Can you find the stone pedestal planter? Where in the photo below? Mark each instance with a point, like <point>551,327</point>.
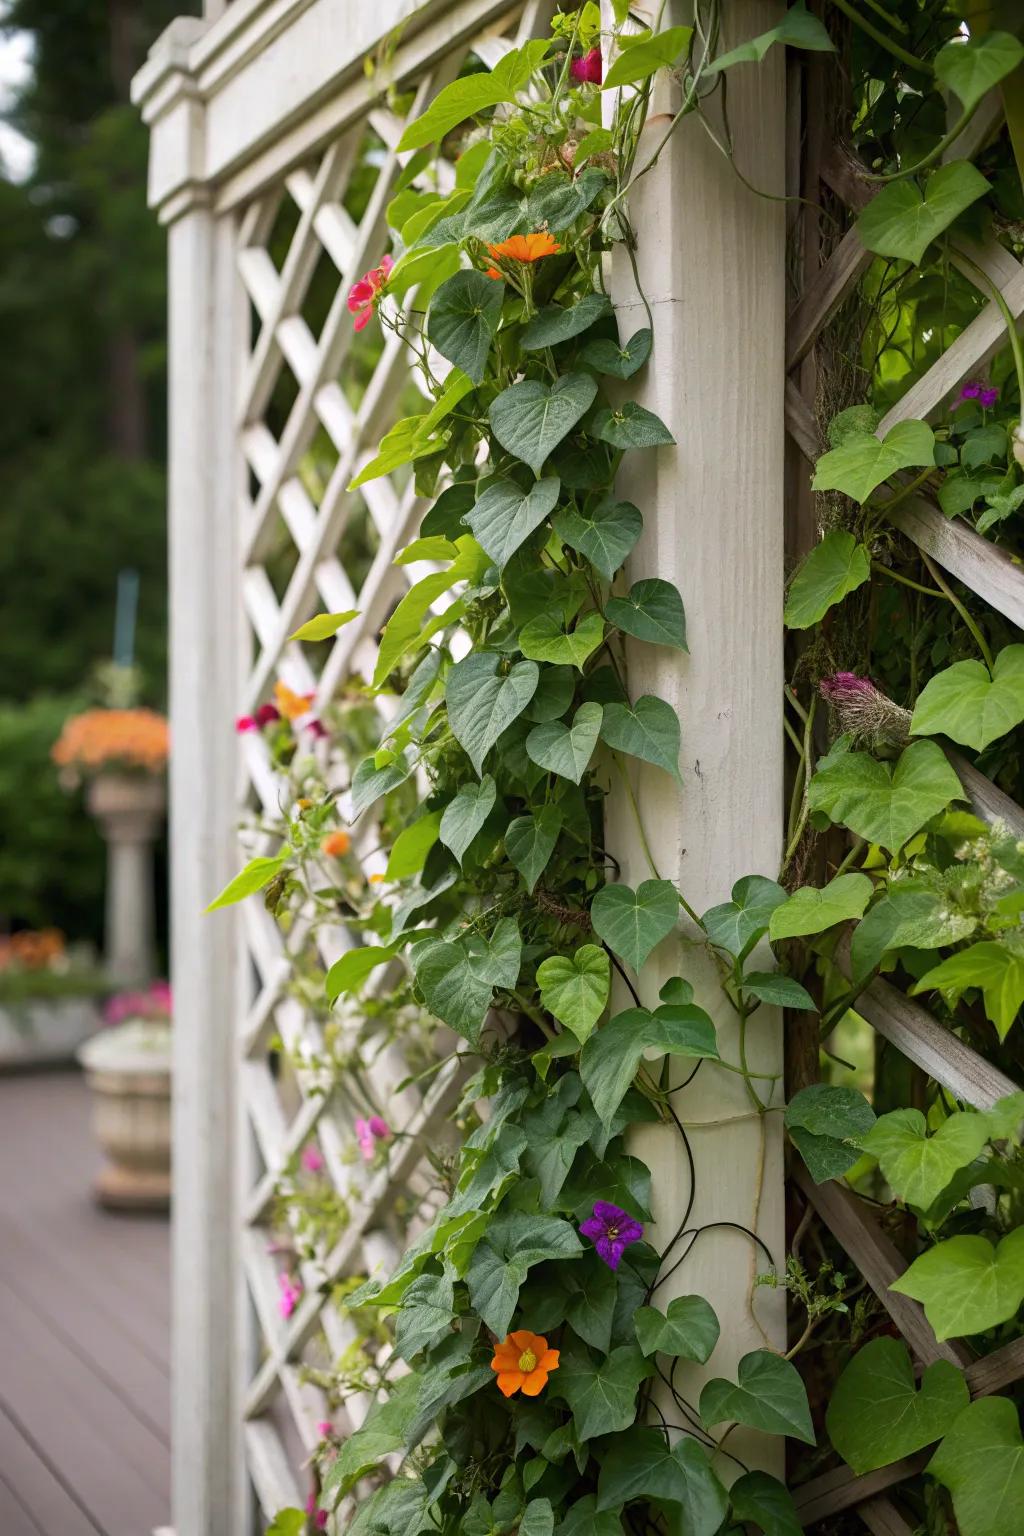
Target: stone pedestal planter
<point>43,1033</point>
<point>128,1069</point>
<point>129,809</point>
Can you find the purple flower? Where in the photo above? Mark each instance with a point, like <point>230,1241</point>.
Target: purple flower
<point>988,397</point>
<point>985,394</point>
<point>846,687</point>
<point>587,69</point>
<point>970,391</point>
<point>612,1230</point>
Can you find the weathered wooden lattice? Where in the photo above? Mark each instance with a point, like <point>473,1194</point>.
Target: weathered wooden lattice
<point>988,572</point>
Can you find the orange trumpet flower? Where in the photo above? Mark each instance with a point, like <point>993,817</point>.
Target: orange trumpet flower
<point>523,1363</point>
<point>524,248</point>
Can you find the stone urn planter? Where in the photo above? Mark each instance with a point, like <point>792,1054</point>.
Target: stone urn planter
<point>129,809</point>
<point>128,1068</point>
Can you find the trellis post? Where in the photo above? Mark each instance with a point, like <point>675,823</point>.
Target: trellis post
<point>209,1496</point>
<point>711,262</point>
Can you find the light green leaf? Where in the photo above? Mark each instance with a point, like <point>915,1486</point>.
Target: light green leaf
<point>289,1522</point>
<point>601,1393</point>
<point>797,29</point>
<point>403,629</point>
<point>966,704</point>
<point>426,1314</point>
<point>604,534</point>
<point>424,270</point>
<point>630,426</point>
<point>641,1465</point>
<point>966,1285</point>
<point>574,988</point>
<point>688,1330</point>
<point>257,873</point>
<point>1006,1118</point>
<point>370,781</point>
<point>632,922</point>
<point>769,1395</point>
<point>902,221</point>
<point>863,462</point>
<point>990,965</point>
<point>917,1166</point>
<point>826,1123</point>
<point>777,991</point>
<point>881,802</point>
<point>475,93</point>
<point>434,547</point>
<point>505,515</point>
<point>465,815</point>
<point>531,418</point>
<point>324,625</point>
<point>482,703</point>
<point>971,66</point>
<point>648,729</point>
<point>457,977</point>
<point>620,361</point>
<point>912,914</point>
<point>348,974</point>
<point>762,1500</point>
<point>652,611</point>
<point>463,320</point>
<point>530,842</point>
<point>557,323</point>
<point>878,1415</point>
<point>411,846</point>
<point>834,568</point>
<point>646,55</point>
<point>609,1061</point>
<point>545,639</point>
<point>566,750</point>
<point>810,910</point>
<point>737,925</point>
<point>981,1462</point>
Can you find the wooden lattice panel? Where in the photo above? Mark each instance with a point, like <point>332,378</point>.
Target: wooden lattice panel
<point>316,397</point>
<point>992,576</point>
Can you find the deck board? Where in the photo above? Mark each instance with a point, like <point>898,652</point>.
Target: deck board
<point>84,1325</point>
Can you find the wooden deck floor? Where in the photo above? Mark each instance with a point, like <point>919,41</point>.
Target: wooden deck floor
<point>84,1323</point>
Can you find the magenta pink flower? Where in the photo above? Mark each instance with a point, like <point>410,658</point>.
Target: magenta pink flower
<point>846,687</point>
<point>363,296</point>
<point>291,1292</point>
<point>312,1159</point>
<point>316,729</point>
<point>245,723</point>
<point>588,68</point>
<point>369,1132</point>
<point>318,1516</point>
<point>325,1428</point>
<point>266,714</point>
<point>612,1230</point>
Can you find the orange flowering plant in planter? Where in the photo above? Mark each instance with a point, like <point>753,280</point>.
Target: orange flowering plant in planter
<point>99,741</point>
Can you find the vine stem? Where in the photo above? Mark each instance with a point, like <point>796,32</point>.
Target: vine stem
<point>883,570</point>
<point>1012,334</point>
<point>905,57</point>
<point>979,638</point>
<point>644,844</point>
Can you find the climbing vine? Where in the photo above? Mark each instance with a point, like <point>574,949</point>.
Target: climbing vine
<point>533,1359</point>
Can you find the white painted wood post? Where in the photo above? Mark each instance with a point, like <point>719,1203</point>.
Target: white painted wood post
<point>711,262</point>
<point>208,1489</point>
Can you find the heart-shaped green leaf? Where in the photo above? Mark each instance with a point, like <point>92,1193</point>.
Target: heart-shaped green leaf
<point>506,515</point>
<point>639,1464</point>
<point>630,426</point>
<point>860,464</point>
<point>531,418</point>
<point>917,1166</point>
<point>797,29</point>
<point>458,977</point>
<point>981,1462</point>
<point>482,703</point>
<point>912,913</point>
<point>604,534</point>
<point>769,1395</point>
<point>574,988</point>
<point>648,729</point>
<point>601,1392</point>
<point>554,694</point>
<point>877,1413</point>
<point>463,320</point>
<point>610,1058</point>
<point>826,1123</point>
<point>370,782</point>
<point>632,922</point>
<point>530,842</point>
<point>464,98</point>
<point>763,1501</point>
<point>545,639</point>
<point>736,925</point>
<point>967,1285</point>
<point>557,323</point>
<point>466,813</point>
<point>810,910</point>
<point>881,802</point>
<point>835,567</point>
<point>688,1330</point>
<point>566,750</point>
<point>652,611</point>
<point>994,967</point>
<point>967,704</point>
<point>425,1315</point>
<point>621,362</point>
<point>777,990</point>
<point>973,65</point>
<point>902,220</point>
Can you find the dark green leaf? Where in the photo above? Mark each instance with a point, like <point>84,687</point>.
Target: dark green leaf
<point>877,1413</point>
<point>604,535</point>
<point>556,324</point>
<point>632,922</point>
<point>648,729</point>
<point>506,515</point>
<point>531,418</point>
<point>566,750</point>
<point>630,426</point>
<point>482,703</point>
<point>653,611</point>
<point>621,362</point>
<point>465,815</point>
<point>769,1396</point>
<point>463,320</point>
<point>688,1330</point>
<point>530,842</point>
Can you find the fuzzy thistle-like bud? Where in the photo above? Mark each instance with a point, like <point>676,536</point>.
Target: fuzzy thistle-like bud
<point>865,711</point>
